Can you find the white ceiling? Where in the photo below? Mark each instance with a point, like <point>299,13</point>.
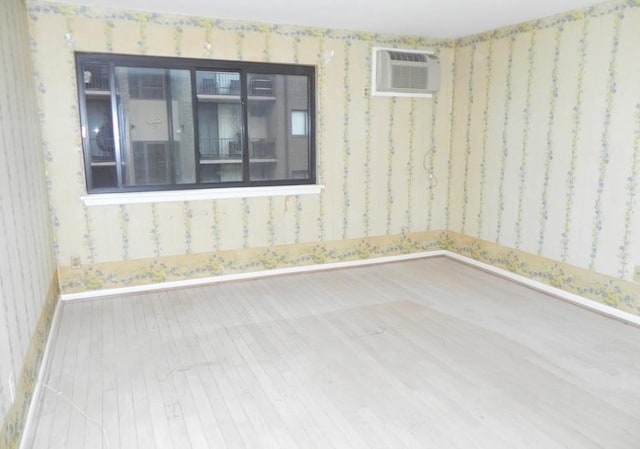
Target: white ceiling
<point>430,18</point>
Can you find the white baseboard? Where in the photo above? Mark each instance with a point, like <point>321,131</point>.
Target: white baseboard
<point>548,289</point>
<point>537,285</point>
<point>250,275</point>
<point>37,391</point>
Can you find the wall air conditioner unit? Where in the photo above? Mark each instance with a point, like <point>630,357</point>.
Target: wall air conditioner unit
<point>405,73</point>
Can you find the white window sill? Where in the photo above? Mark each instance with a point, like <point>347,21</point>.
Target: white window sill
<point>109,199</point>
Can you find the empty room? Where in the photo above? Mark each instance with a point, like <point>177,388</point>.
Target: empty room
<point>319,224</point>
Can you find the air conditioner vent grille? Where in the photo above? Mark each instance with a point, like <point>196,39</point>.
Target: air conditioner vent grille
<point>409,78</point>
<point>407,57</point>
<point>408,73</point>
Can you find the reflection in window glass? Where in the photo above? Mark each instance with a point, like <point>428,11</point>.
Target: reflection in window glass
<point>299,123</point>
<point>219,126</point>
<point>272,99</point>
<point>156,125</point>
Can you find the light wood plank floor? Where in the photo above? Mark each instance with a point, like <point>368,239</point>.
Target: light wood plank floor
<point>421,354</point>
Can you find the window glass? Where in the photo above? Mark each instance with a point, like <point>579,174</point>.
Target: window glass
<point>273,153</point>
<point>98,127</point>
<point>155,125</point>
<point>219,126</point>
<point>299,123</point>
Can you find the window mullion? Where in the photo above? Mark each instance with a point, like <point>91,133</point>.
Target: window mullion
<point>196,130</point>
<point>245,127</point>
<point>115,119</point>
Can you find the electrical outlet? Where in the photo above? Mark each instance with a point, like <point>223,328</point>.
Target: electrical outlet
<point>636,273</point>
<point>365,91</point>
<point>75,262</point>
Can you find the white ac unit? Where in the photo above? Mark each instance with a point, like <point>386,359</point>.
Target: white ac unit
<point>408,73</point>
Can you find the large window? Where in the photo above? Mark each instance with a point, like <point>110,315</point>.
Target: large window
<point>167,123</point>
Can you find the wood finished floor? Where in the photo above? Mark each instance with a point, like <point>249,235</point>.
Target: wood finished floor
<point>421,354</point>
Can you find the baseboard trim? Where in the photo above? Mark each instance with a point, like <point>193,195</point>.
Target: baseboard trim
<point>578,300</point>
<point>242,276</point>
<point>37,391</point>
<point>564,295</point>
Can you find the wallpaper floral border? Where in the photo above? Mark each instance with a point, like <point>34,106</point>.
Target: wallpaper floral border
<point>194,266</point>
<point>545,139</point>
<point>621,294</point>
<point>618,293</point>
<point>11,432</point>
<point>599,10</point>
<point>45,7</point>
<point>614,292</point>
<point>347,162</point>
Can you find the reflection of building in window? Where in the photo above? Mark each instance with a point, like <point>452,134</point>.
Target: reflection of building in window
<point>182,123</point>
<point>299,123</point>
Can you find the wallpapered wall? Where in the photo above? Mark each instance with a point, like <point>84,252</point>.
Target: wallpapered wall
<point>546,138</point>
<point>27,264</point>
<point>370,150</point>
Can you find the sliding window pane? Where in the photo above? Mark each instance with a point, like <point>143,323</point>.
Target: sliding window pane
<point>219,126</point>
<point>155,117</point>
<point>278,149</point>
<point>98,135</point>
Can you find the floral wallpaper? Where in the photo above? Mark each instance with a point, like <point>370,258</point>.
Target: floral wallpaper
<point>611,291</point>
<point>527,159</point>
<point>545,138</point>
<point>27,264</point>
<point>203,265</point>
<point>519,148</point>
<point>369,149</point>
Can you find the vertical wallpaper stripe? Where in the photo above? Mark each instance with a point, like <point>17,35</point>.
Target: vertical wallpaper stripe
<point>391,151</point>
<point>632,198</point>
<point>467,153</point>
<point>177,39</point>
<point>485,138</point>
<point>215,226</point>
<point>428,162</point>
<point>575,136</point>
<point>271,226</point>
<point>246,211</point>
<point>525,139</point>
<point>346,152</point>
<point>366,216</point>
<point>297,212</point>
<point>604,151</point>
<point>26,241</point>
<point>238,39</point>
<point>188,220</point>
<point>410,167</point>
<point>266,54</point>
<point>142,38</point>
<point>89,242</point>
<point>155,231</point>
<point>124,230</point>
<point>452,130</point>
<point>505,137</point>
<point>108,35</point>
<point>553,100</point>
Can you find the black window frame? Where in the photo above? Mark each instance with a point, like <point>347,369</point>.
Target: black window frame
<point>244,68</point>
